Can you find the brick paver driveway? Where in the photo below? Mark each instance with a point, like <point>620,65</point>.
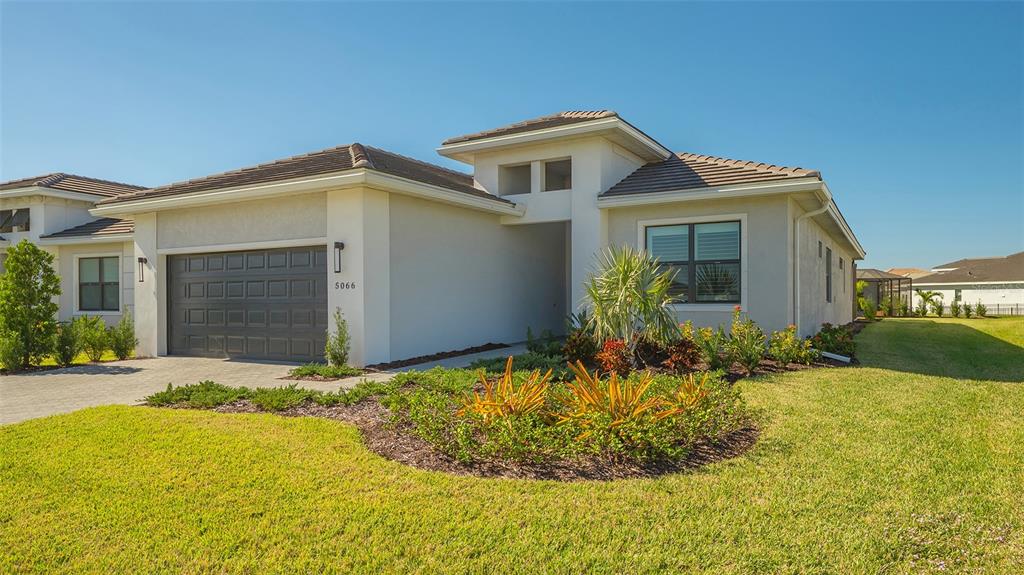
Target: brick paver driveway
<point>42,393</point>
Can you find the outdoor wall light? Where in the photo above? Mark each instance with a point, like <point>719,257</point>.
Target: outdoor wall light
<point>142,266</point>
<point>338,248</point>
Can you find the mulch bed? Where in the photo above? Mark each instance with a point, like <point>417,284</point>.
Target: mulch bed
<point>397,443</point>
<point>435,356</point>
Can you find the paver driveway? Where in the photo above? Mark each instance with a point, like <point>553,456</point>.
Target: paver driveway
<point>42,393</point>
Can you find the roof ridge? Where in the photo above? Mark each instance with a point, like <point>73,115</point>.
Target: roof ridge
<point>360,159</point>
<point>760,166</point>
<point>421,162</point>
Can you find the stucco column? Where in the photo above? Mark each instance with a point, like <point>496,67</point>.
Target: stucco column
<point>147,292</point>
<point>360,219</point>
<point>589,227</point>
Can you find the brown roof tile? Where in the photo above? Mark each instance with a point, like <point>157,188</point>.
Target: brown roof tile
<point>338,159</point>
<point>73,183</point>
<point>997,269</point>
<point>551,121</point>
<point>683,171</point>
<point>97,228</point>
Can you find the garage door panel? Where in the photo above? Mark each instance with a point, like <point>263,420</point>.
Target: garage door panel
<point>269,304</point>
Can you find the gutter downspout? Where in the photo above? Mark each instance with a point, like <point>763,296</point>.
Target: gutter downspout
<point>796,260</point>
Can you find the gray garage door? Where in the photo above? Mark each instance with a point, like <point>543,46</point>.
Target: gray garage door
<point>263,304</point>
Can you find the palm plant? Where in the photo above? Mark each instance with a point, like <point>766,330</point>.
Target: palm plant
<point>629,296</point>
<point>927,299</point>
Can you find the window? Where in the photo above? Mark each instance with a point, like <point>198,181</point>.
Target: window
<point>557,175</point>
<point>819,248</point>
<point>828,275</point>
<point>14,219</point>
<point>956,295</point>
<point>842,276</point>
<point>514,179</point>
<point>706,258</point>
<point>98,284</point>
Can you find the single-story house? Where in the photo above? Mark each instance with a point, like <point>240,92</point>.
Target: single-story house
<point>422,259</point>
<point>996,282</point>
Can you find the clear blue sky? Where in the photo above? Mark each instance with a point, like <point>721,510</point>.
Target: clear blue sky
<point>913,112</point>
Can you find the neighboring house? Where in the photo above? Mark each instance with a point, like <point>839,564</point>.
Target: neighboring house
<point>912,273</point>
<point>885,287</point>
<point>422,259</point>
<point>996,282</point>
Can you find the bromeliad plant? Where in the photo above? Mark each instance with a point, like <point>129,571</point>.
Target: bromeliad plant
<point>506,398</point>
<point>618,401</point>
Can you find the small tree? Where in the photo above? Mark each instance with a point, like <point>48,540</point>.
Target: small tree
<point>338,343</point>
<point>928,298</point>
<point>122,338</point>
<point>27,290</point>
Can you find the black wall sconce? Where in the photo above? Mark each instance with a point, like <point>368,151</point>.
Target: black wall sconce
<point>142,266</point>
<point>338,248</point>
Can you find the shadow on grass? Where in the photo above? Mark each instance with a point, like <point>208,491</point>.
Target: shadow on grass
<point>940,349</point>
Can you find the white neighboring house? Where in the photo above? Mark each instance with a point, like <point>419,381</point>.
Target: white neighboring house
<point>996,282</point>
<point>424,259</point>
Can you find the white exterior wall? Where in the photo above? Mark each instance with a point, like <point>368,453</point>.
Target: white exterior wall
<point>764,247</point>
<point>814,309</point>
<point>459,278</point>
<point>66,264</point>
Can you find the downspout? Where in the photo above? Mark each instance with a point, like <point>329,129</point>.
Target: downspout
<point>796,260</point>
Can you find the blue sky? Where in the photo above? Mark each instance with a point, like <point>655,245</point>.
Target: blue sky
<point>913,112</point>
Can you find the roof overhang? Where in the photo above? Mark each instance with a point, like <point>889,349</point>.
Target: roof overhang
<point>615,129</point>
<point>44,191</point>
<point>325,182</point>
<point>74,240</point>
<point>813,186</point>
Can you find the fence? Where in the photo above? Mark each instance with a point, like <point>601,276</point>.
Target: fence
<point>990,309</point>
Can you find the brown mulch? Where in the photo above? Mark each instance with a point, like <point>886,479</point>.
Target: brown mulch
<point>397,443</point>
<point>435,356</point>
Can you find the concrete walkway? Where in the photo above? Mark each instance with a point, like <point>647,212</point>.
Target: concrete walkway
<point>42,393</point>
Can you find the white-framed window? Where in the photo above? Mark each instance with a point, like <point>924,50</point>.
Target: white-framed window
<point>828,275</point>
<point>557,175</point>
<point>707,255</point>
<point>98,284</point>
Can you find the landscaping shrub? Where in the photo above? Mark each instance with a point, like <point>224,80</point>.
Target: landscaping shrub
<point>338,341</point>
<point>614,357</point>
<point>324,370</point>
<point>867,307</point>
<point>922,309</point>
<point>546,344</point>
<point>12,352</point>
<point>968,310</point>
<point>980,310</point>
<point>746,341</point>
<point>786,347</point>
<point>506,399</point>
<point>67,343</point>
<point>714,347</point>
<point>205,394</point>
<point>580,343</point>
<point>280,398</point>
<point>836,339</point>
<point>94,336</point>
<point>682,356</point>
<point>629,295</point>
<point>648,352</point>
<point>528,362</point>
<point>28,288</point>
<point>904,308</point>
<point>928,301</point>
<point>121,337</point>
<point>954,309</point>
<point>937,308</point>
<point>886,308</point>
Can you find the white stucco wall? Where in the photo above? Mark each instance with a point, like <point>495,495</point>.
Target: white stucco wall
<point>459,278</point>
<point>66,266</point>
<point>814,309</point>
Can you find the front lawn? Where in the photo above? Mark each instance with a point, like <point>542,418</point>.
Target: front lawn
<point>81,359</point>
<point>890,467</point>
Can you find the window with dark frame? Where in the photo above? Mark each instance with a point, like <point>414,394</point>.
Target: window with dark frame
<point>828,275</point>
<point>98,284</point>
<point>705,256</point>
<point>842,276</point>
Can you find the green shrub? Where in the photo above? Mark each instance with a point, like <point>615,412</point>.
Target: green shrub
<point>886,308</point>
<point>746,341</point>
<point>67,343</point>
<point>28,288</point>
<point>786,347</point>
<point>904,308</point>
<point>580,343</point>
<point>937,307</point>
<point>338,341</point>
<point>12,352</point>
<point>922,309</point>
<point>980,310</point>
<point>121,337</point>
<point>968,310</point>
<point>546,344</point>
<point>280,398</point>
<point>836,339</point>
<point>93,333</point>
<point>714,347</point>
<point>528,361</point>
<point>325,371</point>
<point>867,307</point>
<point>954,308</point>
<point>202,395</point>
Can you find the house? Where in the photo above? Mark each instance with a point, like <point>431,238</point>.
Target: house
<point>996,282</point>
<point>881,288</point>
<point>421,258</point>
<point>912,273</point>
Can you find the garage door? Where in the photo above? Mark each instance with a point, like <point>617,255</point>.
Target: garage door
<point>263,304</point>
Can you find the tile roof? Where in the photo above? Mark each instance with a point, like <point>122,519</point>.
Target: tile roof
<point>97,228</point>
<point>551,121</point>
<point>683,171</point>
<point>909,272</point>
<point>331,160</point>
<point>997,269</point>
<point>73,183</point>
<point>873,274</point>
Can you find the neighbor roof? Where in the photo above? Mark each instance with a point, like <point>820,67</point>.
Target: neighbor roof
<point>997,269</point>
<point>341,158</point>
<point>685,171</point>
<point>541,123</point>
<point>909,272</point>
<point>873,274</point>
<point>73,183</point>
<point>97,229</point>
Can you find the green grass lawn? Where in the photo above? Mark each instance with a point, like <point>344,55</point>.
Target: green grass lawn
<point>81,359</point>
<point>890,467</point>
